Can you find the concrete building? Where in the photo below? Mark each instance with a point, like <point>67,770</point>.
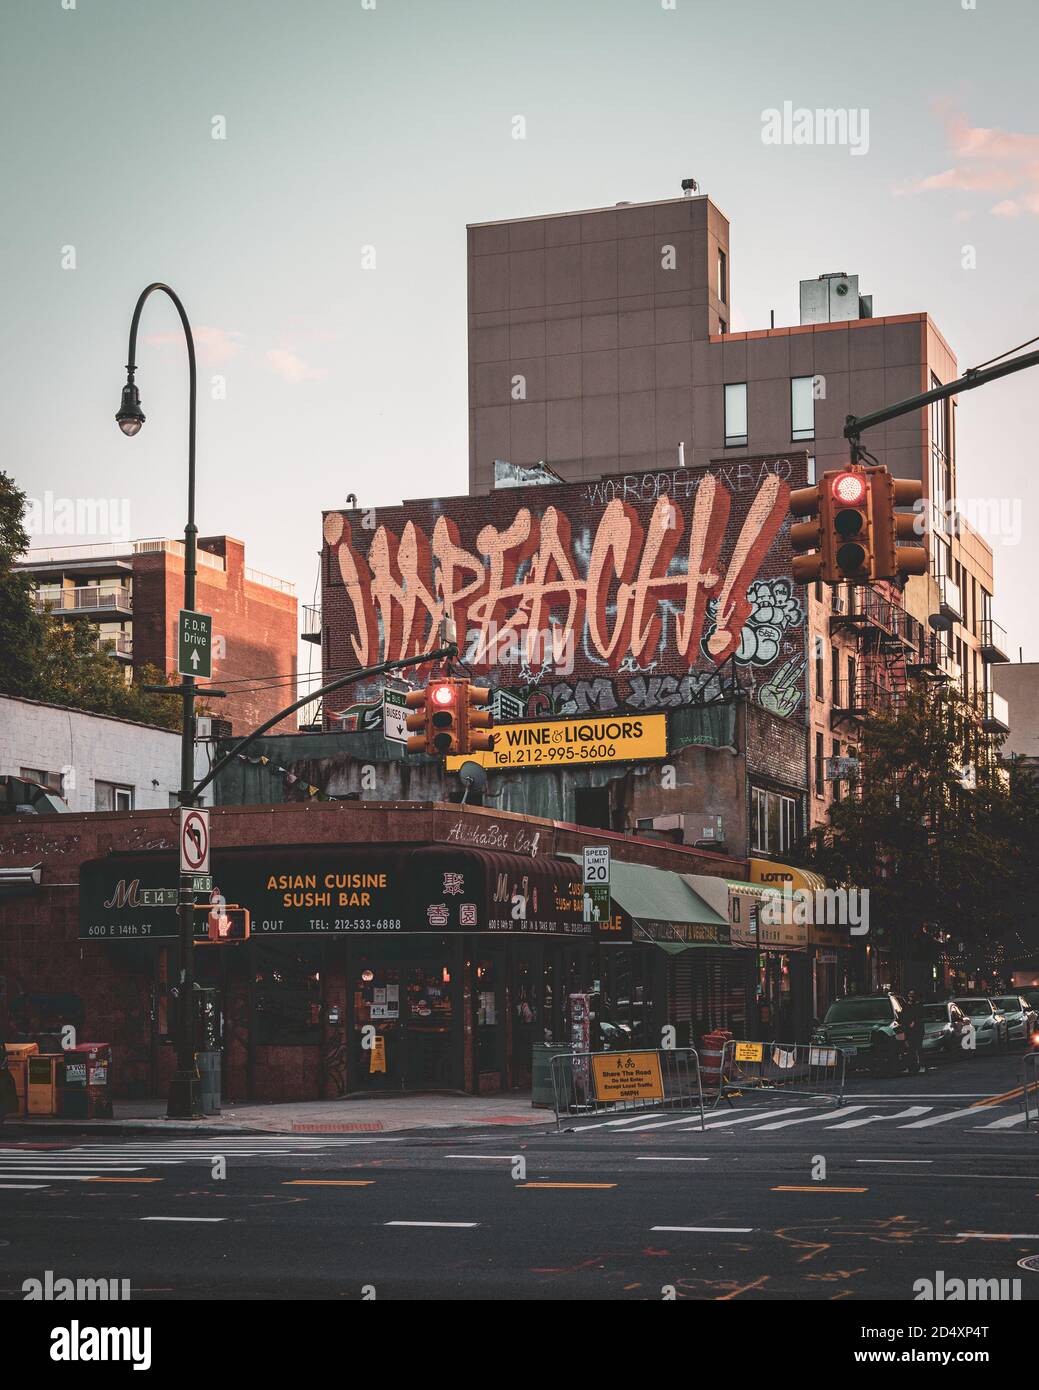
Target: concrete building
<point>133,592</point>
<point>1018,683</point>
<point>600,345</point>
<point>94,762</point>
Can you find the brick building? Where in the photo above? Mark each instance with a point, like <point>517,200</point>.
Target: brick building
<point>133,593</point>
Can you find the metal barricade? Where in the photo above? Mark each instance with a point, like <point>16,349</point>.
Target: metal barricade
<point>640,1081</point>
<point>795,1069</point>
<point>1030,1088</point>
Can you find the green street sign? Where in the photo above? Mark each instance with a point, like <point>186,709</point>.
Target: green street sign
<point>195,644</point>
<point>158,897</point>
<point>196,883</point>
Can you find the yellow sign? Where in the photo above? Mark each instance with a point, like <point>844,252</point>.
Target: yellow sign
<point>377,1062</point>
<point>748,1052</point>
<point>627,1076</point>
<point>564,742</point>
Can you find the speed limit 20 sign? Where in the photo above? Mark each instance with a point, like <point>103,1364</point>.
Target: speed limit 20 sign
<point>194,840</point>
<point>596,864</point>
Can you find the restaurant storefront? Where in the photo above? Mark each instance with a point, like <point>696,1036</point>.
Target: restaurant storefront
<point>390,968</point>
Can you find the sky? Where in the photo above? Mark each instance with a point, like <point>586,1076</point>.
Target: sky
<point>357,125</point>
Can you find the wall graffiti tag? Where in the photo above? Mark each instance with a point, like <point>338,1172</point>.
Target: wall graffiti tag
<point>638,592</point>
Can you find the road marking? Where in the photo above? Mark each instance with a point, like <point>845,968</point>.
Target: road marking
<point>709,1230</point>
<point>996,1235</point>
<point>663,1124</point>
<point>627,1120</point>
<point>104,1179</point>
<point>749,1119</point>
<point>1007,1122</point>
<point>894,1160</point>
<point>484,1157</point>
<point>567,1184</point>
<point>52,1176</point>
<point>451,1225</point>
<point>329,1182</point>
<point>810,1119</point>
<point>820,1187</point>
<point>1016,1094</point>
<point>22,1186</point>
<point>871,1119</point>
<point>939,1119</point>
<point>184,1218</point>
<point>666,1158</point>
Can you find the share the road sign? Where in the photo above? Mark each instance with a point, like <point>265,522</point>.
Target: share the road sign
<point>195,644</point>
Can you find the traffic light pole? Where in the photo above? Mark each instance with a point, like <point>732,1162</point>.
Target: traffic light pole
<point>447,652</point>
<point>974,376</point>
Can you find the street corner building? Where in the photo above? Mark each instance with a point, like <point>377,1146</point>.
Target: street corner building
<point>394,946</point>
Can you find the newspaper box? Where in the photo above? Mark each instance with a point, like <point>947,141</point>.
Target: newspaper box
<point>44,1076</point>
<point>88,1090</point>
<point>17,1064</point>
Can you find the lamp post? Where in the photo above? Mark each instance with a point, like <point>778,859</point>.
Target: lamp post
<point>184,1096</point>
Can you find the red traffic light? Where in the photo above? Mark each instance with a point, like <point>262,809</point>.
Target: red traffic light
<point>443,695</point>
<point>849,489</point>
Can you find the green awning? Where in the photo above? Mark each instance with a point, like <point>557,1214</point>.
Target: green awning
<point>663,904</point>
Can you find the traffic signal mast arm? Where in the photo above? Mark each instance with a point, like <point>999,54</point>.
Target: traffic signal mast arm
<point>974,376</point>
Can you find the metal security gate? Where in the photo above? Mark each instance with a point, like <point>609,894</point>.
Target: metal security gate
<point>798,1069</point>
<point>646,1081</point>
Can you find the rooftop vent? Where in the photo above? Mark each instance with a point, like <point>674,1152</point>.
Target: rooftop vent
<point>834,298</point>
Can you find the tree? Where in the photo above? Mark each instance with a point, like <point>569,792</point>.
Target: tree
<point>21,631</point>
<point>949,856</point>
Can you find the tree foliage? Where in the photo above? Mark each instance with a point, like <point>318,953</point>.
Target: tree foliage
<point>58,661</point>
<point>947,847</point>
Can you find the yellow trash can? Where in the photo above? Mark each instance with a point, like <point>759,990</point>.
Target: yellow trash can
<point>43,1079</point>
<point>18,1055</point>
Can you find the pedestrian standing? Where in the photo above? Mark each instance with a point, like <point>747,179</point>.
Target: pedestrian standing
<point>913,1027</point>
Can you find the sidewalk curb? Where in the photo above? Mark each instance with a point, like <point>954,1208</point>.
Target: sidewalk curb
<point>133,1127</point>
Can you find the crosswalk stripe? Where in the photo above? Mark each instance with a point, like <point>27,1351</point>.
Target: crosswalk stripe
<point>941,1118</point>
<point>872,1119</point>
<point>809,1119</point>
<point>751,1119</point>
<point>1007,1122</point>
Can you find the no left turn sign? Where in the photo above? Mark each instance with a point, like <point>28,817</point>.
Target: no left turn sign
<point>194,841</point>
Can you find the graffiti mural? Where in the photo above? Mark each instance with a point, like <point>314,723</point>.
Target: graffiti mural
<point>646,591</point>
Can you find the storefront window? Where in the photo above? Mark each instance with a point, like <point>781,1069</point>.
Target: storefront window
<point>286,993</point>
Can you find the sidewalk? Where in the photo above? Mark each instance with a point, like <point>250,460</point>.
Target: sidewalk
<point>356,1115</point>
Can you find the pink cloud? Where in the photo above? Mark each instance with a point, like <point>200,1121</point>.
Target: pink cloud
<point>292,367</point>
<point>214,346</point>
<point>986,160</point>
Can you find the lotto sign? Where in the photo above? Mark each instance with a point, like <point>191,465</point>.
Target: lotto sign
<point>627,1076</point>
<point>748,1052</point>
<point>194,840</point>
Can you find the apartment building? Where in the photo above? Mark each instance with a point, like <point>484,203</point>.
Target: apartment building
<point>132,593</point>
<point>600,344</point>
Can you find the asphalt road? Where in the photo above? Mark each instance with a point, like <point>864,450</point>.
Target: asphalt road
<point>781,1200</point>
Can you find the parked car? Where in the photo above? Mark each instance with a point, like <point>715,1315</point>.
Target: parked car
<point>868,1030</point>
<point>948,1032</point>
<point>989,1024</point>
<point>1022,1019</point>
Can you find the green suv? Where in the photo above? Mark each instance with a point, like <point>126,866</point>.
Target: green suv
<point>868,1030</point>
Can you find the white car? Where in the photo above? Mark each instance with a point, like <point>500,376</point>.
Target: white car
<point>1022,1020</point>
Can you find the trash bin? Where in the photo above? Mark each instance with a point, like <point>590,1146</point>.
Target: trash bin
<point>87,1090</point>
<point>18,1055</point>
<point>209,1072</point>
<point>42,1083</point>
<point>541,1092</point>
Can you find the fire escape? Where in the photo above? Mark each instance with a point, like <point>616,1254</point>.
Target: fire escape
<point>891,647</point>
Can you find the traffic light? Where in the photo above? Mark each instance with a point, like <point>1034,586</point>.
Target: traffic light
<point>807,536</point>
<point>476,736</point>
<point>226,923</point>
<point>891,560</point>
<point>849,533</point>
<point>444,715</point>
<point>418,742</point>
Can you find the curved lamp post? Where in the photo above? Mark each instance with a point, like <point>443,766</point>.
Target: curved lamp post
<point>184,1097</point>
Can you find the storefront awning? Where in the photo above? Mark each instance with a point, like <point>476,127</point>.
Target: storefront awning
<point>664,907</point>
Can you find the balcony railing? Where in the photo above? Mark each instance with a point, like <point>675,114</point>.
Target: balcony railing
<point>270,581</point>
<point>950,600</point>
<point>993,641</point>
<point>119,644</point>
<point>997,713</point>
<point>311,623</point>
<point>90,598</point>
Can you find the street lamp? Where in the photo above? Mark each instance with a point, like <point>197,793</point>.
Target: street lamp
<point>184,1097</point>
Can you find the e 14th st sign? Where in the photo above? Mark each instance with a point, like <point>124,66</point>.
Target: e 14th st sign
<point>195,644</point>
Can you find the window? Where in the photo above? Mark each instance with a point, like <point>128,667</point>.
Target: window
<point>819,769</point>
<point>722,327</point>
<point>836,783</point>
<point>51,780</point>
<point>109,796</point>
<point>835,676</point>
<point>736,415</point>
<point>723,276</point>
<point>802,407</point>
<point>820,669</point>
<point>773,827</point>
